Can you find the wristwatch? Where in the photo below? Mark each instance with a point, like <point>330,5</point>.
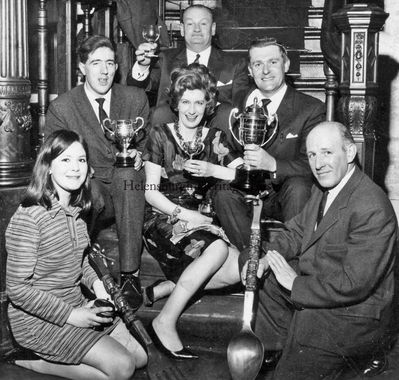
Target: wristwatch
<point>174,216</point>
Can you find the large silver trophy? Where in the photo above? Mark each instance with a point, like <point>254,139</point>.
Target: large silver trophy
<point>123,132</point>
<point>255,127</point>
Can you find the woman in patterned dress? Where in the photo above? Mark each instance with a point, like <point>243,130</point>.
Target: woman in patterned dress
<point>45,241</point>
<point>192,251</point>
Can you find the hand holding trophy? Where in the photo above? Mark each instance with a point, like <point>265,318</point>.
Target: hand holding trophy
<point>122,132</point>
<point>257,128</point>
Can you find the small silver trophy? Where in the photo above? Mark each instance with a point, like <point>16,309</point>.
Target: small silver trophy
<point>123,132</point>
<point>193,147</point>
<point>255,127</point>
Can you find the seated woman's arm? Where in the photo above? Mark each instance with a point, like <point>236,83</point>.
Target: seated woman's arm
<point>157,200</point>
<point>200,168</point>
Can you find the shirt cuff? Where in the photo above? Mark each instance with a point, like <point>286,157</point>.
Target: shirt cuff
<point>138,73</point>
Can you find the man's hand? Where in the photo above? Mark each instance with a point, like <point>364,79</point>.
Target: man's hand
<point>285,275</point>
<point>138,162</point>
<point>142,52</point>
<point>257,157</point>
<point>262,268</point>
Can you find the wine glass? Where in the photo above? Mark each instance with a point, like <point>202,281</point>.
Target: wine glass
<point>151,33</point>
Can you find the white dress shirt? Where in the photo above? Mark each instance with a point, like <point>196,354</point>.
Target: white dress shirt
<point>92,99</point>
<point>275,99</point>
<point>140,74</point>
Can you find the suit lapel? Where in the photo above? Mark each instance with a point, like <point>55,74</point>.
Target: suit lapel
<point>285,108</point>
<point>332,215</point>
<point>90,117</point>
<point>215,63</point>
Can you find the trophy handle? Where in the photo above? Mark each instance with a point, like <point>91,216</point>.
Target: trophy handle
<point>106,122</point>
<point>274,131</point>
<point>233,114</point>
<point>139,118</point>
<point>202,147</point>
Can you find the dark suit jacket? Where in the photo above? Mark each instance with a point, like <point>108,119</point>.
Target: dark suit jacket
<point>73,111</point>
<point>297,114</point>
<point>346,282</point>
<point>226,68</point>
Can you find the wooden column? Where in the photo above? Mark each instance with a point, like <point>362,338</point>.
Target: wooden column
<point>42,83</point>
<point>15,118</point>
<point>357,106</point>
<point>15,125</point>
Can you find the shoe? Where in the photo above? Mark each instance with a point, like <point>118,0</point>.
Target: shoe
<point>183,354</point>
<point>148,293</point>
<point>131,289</point>
<point>376,365</point>
<point>270,359</point>
<point>19,354</point>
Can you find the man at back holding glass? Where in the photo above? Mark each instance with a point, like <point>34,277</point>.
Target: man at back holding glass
<point>197,27</point>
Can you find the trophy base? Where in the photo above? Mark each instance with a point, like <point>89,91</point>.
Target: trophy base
<point>124,162</point>
<point>251,181</point>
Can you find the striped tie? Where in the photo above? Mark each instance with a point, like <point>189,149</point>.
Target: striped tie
<point>101,112</point>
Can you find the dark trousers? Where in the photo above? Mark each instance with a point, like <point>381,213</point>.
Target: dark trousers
<point>276,325</point>
<point>122,199</point>
<point>235,215</point>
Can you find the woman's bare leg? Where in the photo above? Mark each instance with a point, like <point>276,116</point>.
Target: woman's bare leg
<point>228,274</point>
<point>195,275</point>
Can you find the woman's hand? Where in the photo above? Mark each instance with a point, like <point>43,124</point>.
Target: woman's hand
<point>86,316</point>
<point>194,218</point>
<point>199,168</point>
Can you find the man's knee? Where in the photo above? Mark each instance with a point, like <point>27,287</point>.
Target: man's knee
<point>293,195</point>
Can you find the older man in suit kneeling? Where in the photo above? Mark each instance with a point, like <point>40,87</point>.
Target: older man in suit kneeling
<point>329,294</point>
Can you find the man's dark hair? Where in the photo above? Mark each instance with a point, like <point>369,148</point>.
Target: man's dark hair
<point>198,6</point>
<point>268,41</point>
<point>91,44</point>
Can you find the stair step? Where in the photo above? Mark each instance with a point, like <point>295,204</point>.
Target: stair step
<point>209,321</point>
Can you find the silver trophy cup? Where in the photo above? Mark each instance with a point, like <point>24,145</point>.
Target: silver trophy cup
<point>123,132</point>
<point>255,127</point>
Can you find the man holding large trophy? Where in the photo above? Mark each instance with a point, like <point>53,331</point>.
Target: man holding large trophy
<point>274,122</point>
<point>112,119</point>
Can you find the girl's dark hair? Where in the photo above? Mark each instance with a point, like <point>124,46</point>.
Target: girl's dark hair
<point>41,187</point>
<point>193,77</point>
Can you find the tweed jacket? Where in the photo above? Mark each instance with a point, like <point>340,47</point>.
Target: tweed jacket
<point>345,285</point>
<point>230,72</point>
<point>73,111</point>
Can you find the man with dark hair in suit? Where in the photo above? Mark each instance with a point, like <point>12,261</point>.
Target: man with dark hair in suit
<point>284,157</point>
<point>117,191</point>
<point>329,295</point>
<point>197,27</point>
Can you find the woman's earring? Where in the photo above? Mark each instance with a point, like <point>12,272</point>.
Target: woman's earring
<point>49,172</point>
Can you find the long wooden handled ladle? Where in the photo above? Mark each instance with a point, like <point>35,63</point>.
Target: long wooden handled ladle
<point>245,351</point>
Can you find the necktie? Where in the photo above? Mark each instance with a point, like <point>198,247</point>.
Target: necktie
<point>322,205</point>
<point>197,57</point>
<point>265,102</point>
<point>101,113</point>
